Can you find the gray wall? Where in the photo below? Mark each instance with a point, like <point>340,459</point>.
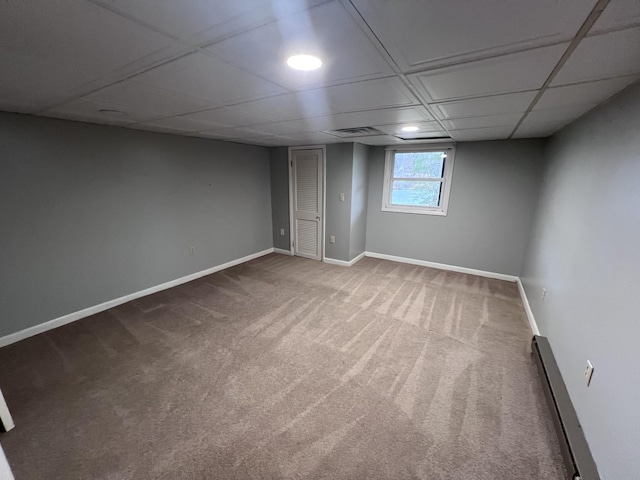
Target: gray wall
<point>347,171</point>
<point>337,213</point>
<point>493,196</point>
<point>91,213</point>
<point>359,194</point>
<point>279,158</point>
<point>585,250</point>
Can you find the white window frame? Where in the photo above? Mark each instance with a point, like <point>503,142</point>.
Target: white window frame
<point>441,210</point>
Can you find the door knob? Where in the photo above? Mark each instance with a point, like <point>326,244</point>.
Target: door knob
<point>317,217</point>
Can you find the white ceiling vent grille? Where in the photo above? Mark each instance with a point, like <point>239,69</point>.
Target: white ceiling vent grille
<point>355,132</point>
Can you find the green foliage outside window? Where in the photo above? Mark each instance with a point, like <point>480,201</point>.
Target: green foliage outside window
<point>417,165</point>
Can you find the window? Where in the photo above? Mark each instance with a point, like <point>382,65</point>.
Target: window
<point>418,179</point>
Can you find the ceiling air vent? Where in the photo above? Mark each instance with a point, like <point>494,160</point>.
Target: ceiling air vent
<point>422,138</point>
<point>355,132</point>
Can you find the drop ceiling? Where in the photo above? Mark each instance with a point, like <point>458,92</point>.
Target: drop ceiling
<point>494,69</point>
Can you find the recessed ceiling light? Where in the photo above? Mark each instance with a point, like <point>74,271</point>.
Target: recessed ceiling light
<point>410,128</point>
<point>304,62</point>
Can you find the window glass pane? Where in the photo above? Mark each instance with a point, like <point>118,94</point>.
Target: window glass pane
<point>419,165</point>
<point>416,194</point>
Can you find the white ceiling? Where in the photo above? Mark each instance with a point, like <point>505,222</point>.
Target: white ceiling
<point>494,69</point>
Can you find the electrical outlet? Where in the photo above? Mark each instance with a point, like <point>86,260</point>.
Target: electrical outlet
<point>588,373</point>
<point>332,239</point>
<point>192,250</point>
<point>282,232</point>
<point>543,294</point>
<point>341,197</point>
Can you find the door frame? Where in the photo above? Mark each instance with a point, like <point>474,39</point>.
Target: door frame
<point>324,194</point>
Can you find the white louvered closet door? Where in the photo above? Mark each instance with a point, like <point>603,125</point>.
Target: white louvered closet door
<point>307,203</point>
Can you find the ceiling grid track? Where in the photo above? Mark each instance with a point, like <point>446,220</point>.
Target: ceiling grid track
<point>192,49</point>
<point>582,32</point>
<point>366,28</point>
<point>216,69</point>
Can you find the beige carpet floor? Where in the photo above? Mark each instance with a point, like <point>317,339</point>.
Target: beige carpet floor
<point>287,368</point>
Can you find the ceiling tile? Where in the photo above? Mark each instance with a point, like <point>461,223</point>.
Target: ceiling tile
<point>280,128</point>
<point>505,74</point>
<point>392,115</point>
<point>264,141</point>
<point>85,109</point>
<point>54,53</point>
<point>506,120</point>
<point>202,21</point>
<point>559,114</point>
<point>24,88</point>
<point>326,31</point>
<point>345,120</point>
<point>333,122</point>
<point>242,136</point>
<point>149,98</point>
<point>379,140</point>
<point>199,75</point>
<point>539,130</point>
<point>222,133</point>
<point>179,124</point>
<point>617,14</point>
<point>478,134</point>
<point>234,134</point>
<point>583,93</point>
<point>290,106</point>
<point>326,122</point>
<point>227,117</point>
<point>602,56</point>
<point>372,94</point>
<point>419,34</point>
<point>216,16</point>
<point>424,128</point>
<point>81,33</point>
<point>314,137</point>
<point>486,106</point>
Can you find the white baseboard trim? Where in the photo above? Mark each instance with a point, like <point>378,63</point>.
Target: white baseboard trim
<point>443,266</point>
<point>5,416</point>
<point>72,317</point>
<point>344,263</point>
<point>282,251</point>
<point>527,308</point>
<point>333,261</point>
<point>5,471</point>
<point>358,258</point>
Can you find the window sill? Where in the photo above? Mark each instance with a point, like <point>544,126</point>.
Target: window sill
<point>418,211</point>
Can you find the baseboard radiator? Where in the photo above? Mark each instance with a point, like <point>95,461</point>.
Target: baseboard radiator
<point>575,450</point>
